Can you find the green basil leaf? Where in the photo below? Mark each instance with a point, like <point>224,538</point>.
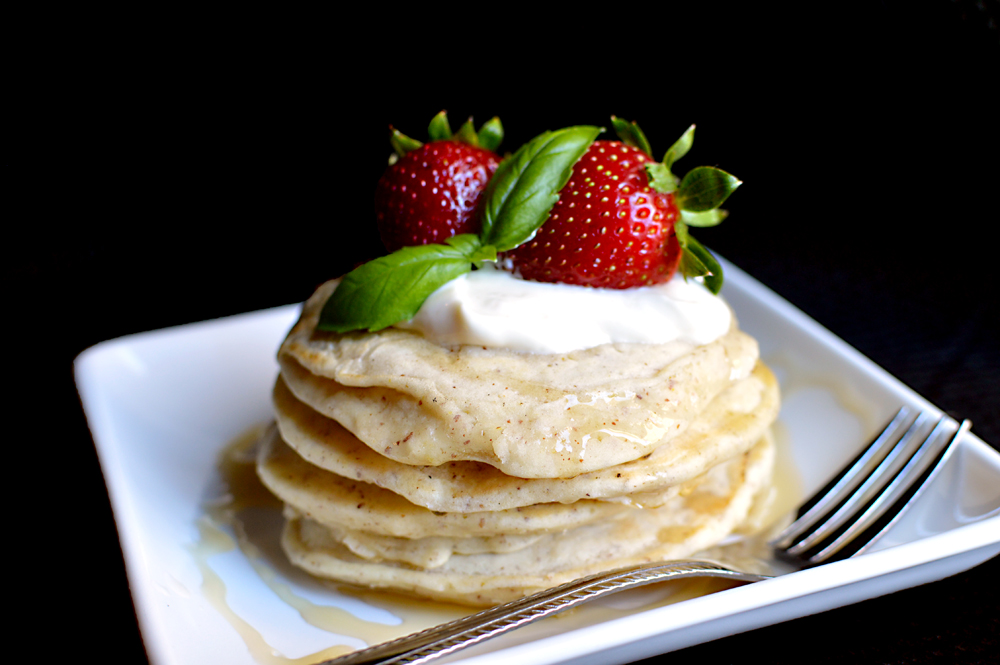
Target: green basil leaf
<point>467,134</point>
<point>439,129</point>
<point>660,178</point>
<point>526,185</point>
<point>392,288</point>
<point>703,219</point>
<point>402,143</point>
<point>491,134</point>
<point>630,134</point>
<point>704,188</point>
<point>466,243</point>
<point>679,148</point>
<point>472,248</point>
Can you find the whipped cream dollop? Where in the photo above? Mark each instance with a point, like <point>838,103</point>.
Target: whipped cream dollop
<point>493,308</point>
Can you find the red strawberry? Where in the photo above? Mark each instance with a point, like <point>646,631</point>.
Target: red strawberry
<point>622,218</point>
<point>430,193</point>
<point>609,228</point>
<point>561,208</point>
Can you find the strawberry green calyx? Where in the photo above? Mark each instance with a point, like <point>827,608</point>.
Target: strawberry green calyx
<point>439,129</point>
<point>696,261</point>
<point>630,134</point>
<point>698,195</point>
<point>402,143</point>
<point>705,188</point>
<point>489,136</point>
<point>679,148</point>
<point>467,133</point>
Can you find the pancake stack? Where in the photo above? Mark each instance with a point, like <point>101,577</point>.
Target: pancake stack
<point>478,475</point>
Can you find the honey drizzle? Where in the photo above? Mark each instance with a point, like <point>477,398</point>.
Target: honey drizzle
<point>244,490</point>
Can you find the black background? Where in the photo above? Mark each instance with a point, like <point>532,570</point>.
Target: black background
<point>171,176</point>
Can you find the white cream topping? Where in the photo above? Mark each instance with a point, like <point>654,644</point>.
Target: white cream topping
<point>493,308</point>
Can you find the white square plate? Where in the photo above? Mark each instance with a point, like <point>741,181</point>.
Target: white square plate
<point>162,405</point>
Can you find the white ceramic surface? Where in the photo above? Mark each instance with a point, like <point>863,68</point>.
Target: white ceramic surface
<point>162,405</point>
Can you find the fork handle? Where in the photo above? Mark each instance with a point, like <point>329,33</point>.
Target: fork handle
<point>450,637</point>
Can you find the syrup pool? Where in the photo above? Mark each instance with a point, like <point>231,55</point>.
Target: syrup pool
<point>243,520</point>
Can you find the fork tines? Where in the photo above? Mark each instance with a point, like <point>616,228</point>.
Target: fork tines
<point>857,507</point>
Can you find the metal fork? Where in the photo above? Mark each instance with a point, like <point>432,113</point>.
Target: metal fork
<point>843,519</point>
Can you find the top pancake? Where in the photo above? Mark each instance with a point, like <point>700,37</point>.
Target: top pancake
<point>528,415</point>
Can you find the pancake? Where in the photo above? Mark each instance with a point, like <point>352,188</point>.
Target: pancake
<point>337,501</point>
<point>677,529</point>
<point>528,415</point>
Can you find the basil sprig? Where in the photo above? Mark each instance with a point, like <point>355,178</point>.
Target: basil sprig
<point>526,185</point>
<point>391,288</point>
<point>519,197</point>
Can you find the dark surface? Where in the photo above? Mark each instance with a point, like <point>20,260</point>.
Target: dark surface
<point>198,184</point>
